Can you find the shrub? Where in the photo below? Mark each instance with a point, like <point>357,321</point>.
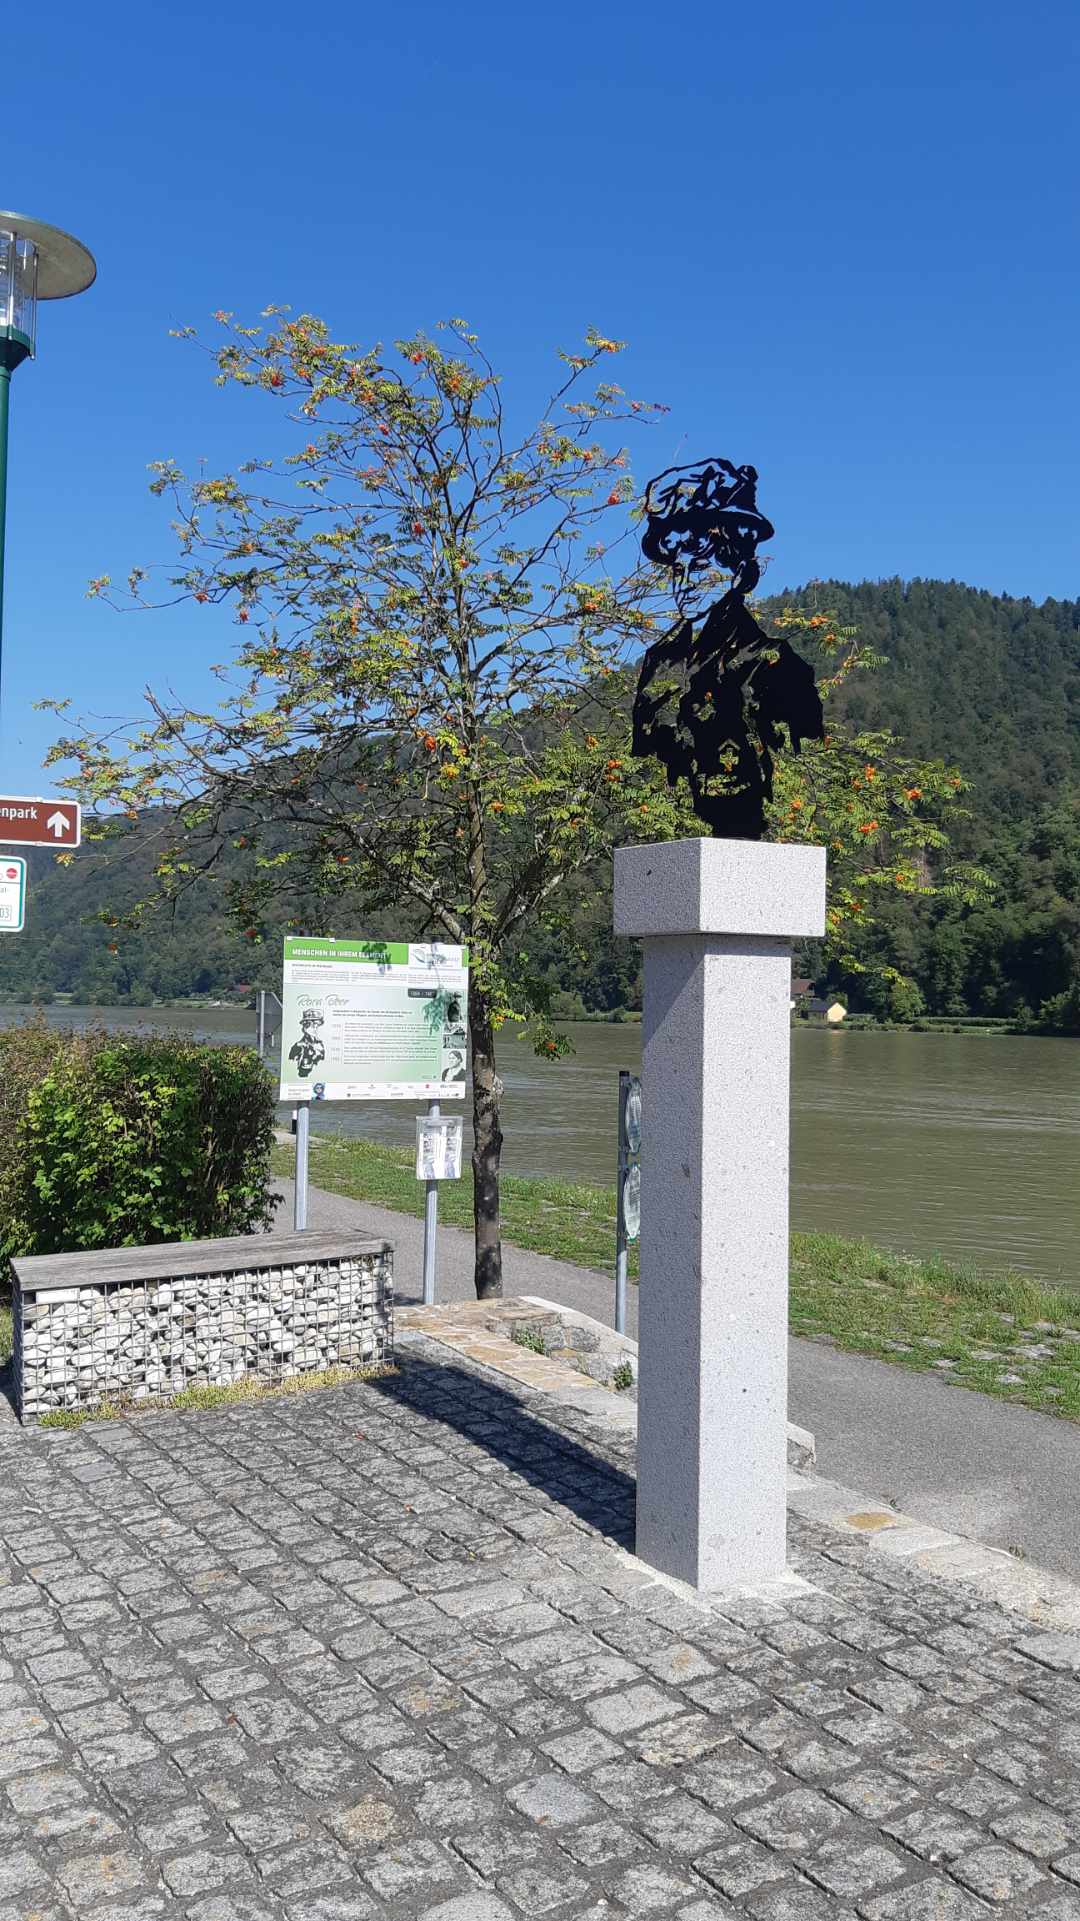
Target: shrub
<point>114,1142</point>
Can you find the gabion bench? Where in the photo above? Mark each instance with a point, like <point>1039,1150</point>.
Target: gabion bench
<point>143,1323</point>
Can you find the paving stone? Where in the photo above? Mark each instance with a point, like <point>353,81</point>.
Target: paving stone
<point>602,1841</point>
<point>796,1822</point>
<point>336,1904</point>
<point>979,1795</point>
<point>469,1907</point>
<point>581,1749</point>
<point>872,1792</point>
<point>539,1889</point>
<point>88,1878</point>
<point>793,1904</point>
<point>321,1769</point>
<point>669,1744</point>
<point>997,1873</point>
<point>934,1834</point>
<point>304,1865</point>
<point>491,1848</point>
<point>842,1867</point>
<point>743,1867</point>
<point>413,1868</point>
<point>627,1785</point>
<point>679,1825</point>
<point>52,1788</point>
<point>77,1827</point>
<point>552,1800</point>
<point>597,1674</point>
<point>21,1873</point>
<point>365,1823</point>
<point>729,1778</point>
<point>1060,1907</point>
<point>649,1888</point>
<point>249,1907</point>
<point>203,1869</point>
<point>932,1899</point>
<point>145,1907</point>
<point>1036,1831</point>
<point>632,1708</point>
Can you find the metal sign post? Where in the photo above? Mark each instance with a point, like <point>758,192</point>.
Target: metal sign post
<point>628,1187</point>
<point>265,1025</point>
<point>431,1223</point>
<point>438,1158</point>
<point>300,1183</point>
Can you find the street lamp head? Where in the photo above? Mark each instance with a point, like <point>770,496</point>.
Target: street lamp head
<point>37,262</point>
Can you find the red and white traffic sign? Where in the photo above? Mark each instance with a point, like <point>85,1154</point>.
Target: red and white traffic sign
<point>12,895</point>
<point>29,822</point>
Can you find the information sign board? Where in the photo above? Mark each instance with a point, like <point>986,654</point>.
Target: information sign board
<point>367,1020</point>
<point>12,894</point>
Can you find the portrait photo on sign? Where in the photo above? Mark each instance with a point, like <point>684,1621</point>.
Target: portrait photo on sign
<point>308,1049</point>
<point>449,1010</point>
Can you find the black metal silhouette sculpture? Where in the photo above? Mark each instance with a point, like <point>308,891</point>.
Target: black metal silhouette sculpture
<point>711,702</point>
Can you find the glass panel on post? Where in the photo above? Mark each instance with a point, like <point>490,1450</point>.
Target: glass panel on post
<point>24,291</point>
<point>7,276</point>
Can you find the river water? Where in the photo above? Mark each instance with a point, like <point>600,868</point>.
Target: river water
<point>966,1145</point>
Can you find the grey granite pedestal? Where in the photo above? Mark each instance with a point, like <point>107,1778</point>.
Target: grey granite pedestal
<point>717,918</point>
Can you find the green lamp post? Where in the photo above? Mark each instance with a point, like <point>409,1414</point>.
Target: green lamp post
<point>37,262</point>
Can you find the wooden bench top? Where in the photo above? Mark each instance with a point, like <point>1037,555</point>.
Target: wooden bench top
<point>173,1259</point>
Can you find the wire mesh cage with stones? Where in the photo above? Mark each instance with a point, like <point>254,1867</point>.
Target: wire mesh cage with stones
<point>150,1339</point>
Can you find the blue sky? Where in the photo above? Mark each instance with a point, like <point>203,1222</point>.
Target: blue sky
<point>840,237</point>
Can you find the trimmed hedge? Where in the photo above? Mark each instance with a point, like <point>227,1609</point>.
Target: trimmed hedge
<point>110,1141</point>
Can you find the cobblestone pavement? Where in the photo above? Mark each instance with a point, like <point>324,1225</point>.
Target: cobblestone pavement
<point>380,1652</point>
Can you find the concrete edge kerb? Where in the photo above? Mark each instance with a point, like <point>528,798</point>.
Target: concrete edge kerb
<point>1048,1600</point>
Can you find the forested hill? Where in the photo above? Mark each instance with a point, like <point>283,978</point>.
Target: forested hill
<point>988,682</point>
<point>976,678</point>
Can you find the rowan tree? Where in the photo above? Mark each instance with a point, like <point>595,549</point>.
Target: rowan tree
<point>427,709</point>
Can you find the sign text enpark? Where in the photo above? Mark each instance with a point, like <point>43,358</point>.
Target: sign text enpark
<point>29,822</point>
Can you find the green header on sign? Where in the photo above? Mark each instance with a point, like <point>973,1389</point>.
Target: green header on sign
<point>381,953</point>
<point>378,953</point>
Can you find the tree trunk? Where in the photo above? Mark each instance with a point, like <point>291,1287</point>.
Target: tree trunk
<point>487,1148</point>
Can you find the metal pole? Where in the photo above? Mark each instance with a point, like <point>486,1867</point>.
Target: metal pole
<point>620,1211</point>
<point>5,394</point>
<point>431,1223</point>
<point>260,1003</point>
<point>300,1184</point>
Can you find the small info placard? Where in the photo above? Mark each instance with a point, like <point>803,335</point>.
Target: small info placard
<point>438,1148</point>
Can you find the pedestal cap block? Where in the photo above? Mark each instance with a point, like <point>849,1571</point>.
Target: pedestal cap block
<point>720,887</point>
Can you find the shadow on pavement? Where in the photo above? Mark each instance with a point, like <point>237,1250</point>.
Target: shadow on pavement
<point>596,1491</point>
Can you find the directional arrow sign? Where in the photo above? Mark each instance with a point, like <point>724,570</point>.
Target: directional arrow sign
<point>12,894</point>
<point>29,822</point>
